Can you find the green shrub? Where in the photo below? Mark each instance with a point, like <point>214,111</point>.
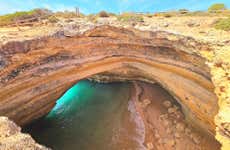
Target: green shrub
<point>149,15</point>
<point>223,24</point>
<point>22,15</point>
<point>183,11</point>
<point>217,7</point>
<point>167,15</point>
<point>130,17</point>
<point>103,14</point>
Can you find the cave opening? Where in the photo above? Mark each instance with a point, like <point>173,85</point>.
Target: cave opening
<point>46,71</point>
<point>90,116</point>
<point>119,115</point>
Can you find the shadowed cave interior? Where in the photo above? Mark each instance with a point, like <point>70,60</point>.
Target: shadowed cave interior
<point>119,115</point>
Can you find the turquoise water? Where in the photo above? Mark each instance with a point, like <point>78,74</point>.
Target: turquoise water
<point>91,116</point>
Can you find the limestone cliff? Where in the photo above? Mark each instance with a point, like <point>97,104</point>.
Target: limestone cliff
<point>35,73</point>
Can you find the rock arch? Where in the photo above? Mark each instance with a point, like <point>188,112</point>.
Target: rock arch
<point>35,73</point>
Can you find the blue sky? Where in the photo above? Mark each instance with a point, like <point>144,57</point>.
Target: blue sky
<point>93,6</point>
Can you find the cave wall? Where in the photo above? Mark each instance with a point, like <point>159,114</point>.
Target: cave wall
<point>35,73</point>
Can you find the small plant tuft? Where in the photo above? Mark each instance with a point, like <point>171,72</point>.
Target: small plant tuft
<point>167,15</point>
<point>149,15</point>
<point>183,11</point>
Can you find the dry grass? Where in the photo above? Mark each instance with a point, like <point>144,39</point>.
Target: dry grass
<point>68,14</point>
<point>130,17</point>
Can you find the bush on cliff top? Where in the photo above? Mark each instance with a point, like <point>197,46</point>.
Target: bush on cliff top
<point>223,24</point>
<point>22,15</point>
<point>217,7</point>
<point>103,14</point>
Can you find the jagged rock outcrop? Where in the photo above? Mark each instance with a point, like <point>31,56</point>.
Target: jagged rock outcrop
<point>11,137</point>
<point>35,73</point>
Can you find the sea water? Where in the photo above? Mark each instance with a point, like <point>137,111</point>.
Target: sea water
<point>91,116</point>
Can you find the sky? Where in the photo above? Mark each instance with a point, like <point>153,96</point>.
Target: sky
<point>116,6</point>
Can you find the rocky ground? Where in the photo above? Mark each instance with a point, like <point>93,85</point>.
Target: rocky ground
<point>165,125</point>
<point>11,137</point>
<point>199,28</point>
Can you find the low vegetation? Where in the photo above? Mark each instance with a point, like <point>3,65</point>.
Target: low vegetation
<point>183,11</point>
<point>17,17</point>
<point>149,15</point>
<point>217,7</point>
<point>53,19</point>
<point>130,17</point>
<point>103,14</point>
<point>167,15</point>
<point>68,14</point>
<point>223,24</point>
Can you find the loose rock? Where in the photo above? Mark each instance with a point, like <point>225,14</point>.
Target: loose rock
<point>180,126</point>
<point>167,104</point>
<point>149,146</point>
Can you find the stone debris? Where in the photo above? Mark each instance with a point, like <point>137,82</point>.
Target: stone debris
<point>149,146</point>
<point>163,116</point>
<point>156,134</point>
<point>169,130</point>
<point>178,115</point>
<point>8,128</point>
<point>177,135</point>
<point>166,123</point>
<point>195,138</point>
<point>160,141</point>
<point>193,24</point>
<point>187,131</point>
<point>167,104</point>
<point>11,137</point>
<point>172,110</point>
<point>145,103</point>
<point>169,142</point>
<point>180,126</point>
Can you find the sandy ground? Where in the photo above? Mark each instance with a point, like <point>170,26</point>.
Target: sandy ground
<point>165,125</point>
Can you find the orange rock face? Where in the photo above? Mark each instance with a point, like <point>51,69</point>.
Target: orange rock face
<point>34,74</point>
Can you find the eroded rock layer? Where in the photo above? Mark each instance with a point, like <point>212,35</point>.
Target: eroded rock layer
<point>165,127</point>
<point>35,73</point>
